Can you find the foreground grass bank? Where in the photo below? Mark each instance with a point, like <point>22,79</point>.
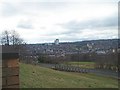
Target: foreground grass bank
<point>38,77</point>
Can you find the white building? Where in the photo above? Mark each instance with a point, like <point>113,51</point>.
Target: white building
<point>56,42</point>
<point>89,46</point>
<point>101,52</point>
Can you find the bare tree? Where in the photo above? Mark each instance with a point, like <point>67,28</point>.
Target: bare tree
<point>12,38</point>
<point>15,38</point>
<point>5,38</point>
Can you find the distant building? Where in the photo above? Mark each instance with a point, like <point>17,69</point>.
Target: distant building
<point>48,44</point>
<point>56,42</point>
<point>101,52</point>
<point>89,46</point>
<point>113,50</point>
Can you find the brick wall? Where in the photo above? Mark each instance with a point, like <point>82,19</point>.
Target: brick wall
<point>10,73</point>
<point>10,69</point>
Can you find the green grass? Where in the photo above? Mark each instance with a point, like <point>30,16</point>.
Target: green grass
<point>81,64</point>
<point>38,77</point>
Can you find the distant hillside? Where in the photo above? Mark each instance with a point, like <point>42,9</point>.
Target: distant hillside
<point>103,44</point>
<point>73,47</point>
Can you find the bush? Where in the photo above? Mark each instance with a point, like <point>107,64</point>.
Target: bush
<point>41,59</point>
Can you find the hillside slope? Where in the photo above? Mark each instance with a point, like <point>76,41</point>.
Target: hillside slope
<point>38,77</point>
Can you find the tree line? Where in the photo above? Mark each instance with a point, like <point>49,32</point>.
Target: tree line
<point>11,38</point>
<point>103,61</point>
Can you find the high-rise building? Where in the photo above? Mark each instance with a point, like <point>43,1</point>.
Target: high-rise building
<point>56,42</point>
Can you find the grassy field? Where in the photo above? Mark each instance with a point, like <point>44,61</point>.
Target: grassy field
<point>81,64</point>
<point>38,77</point>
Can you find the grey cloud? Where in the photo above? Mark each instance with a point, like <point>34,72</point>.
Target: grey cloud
<point>51,5</point>
<point>74,27</point>
<point>9,9</point>
<point>12,9</point>
<point>43,28</point>
<point>47,6</point>
<point>92,24</point>
<point>25,25</point>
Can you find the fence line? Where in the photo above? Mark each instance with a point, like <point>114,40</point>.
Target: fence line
<point>70,68</point>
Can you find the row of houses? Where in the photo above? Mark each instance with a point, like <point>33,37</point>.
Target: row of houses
<point>63,49</point>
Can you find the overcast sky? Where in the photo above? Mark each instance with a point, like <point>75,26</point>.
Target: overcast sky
<point>40,21</point>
